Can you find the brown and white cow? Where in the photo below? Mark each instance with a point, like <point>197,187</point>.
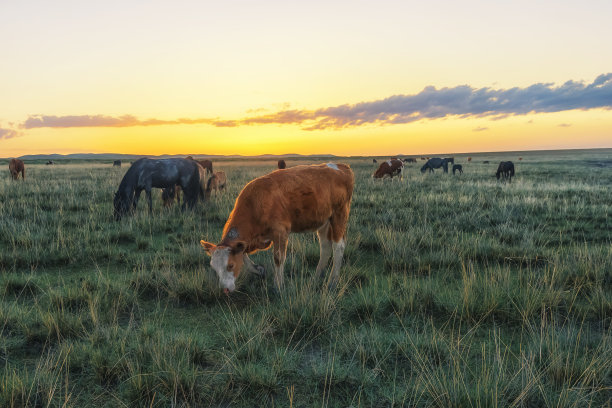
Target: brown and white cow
<point>269,208</point>
<point>16,166</point>
<point>391,167</point>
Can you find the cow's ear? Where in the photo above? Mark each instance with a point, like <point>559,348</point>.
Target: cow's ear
<point>239,247</point>
<point>208,247</point>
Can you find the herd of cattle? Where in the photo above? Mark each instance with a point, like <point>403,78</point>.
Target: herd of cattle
<point>302,198</point>
<point>395,167</point>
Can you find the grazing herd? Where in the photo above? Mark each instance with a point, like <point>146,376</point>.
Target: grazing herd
<point>395,167</point>
<point>304,198</point>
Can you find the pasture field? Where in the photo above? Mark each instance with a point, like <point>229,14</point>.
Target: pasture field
<point>456,292</point>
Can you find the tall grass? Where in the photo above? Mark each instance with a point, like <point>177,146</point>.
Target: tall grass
<point>456,291</point>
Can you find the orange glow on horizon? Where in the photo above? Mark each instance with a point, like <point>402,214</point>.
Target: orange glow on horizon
<point>573,129</point>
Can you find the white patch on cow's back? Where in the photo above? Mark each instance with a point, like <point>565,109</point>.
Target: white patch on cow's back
<point>389,162</point>
<point>332,166</point>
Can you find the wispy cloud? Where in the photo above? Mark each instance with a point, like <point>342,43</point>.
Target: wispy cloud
<point>431,103</point>
<point>480,129</point>
<point>9,133</point>
<point>565,125</point>
<point>40,121</point>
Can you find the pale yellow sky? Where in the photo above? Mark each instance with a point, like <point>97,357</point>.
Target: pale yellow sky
<point>72,61</point>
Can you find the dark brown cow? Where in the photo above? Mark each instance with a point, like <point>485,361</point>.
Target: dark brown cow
<point>281,164</point>
<point>207,164</point>
<point>216,182</point>
<point>269,208</point>
<point>469,159</point>
<point>391,167</point>
<point>16,166</point>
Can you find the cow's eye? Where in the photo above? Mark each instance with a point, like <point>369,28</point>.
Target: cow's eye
<point>230,266</point>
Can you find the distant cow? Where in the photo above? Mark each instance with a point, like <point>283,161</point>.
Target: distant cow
<point>374,161</point>
<point>423,158</point>
<point>281,164</point>
<point>216,182</point>
<point>207,164</point>
<point>391,167</point>
<point>520,158</point>
<point>117,163</point>
<point>457,167</point>
<point>269,208</point>
<point>435,163</point>
<point>486,162</point>
<point>49,163</point>
<point>146,174</point>
<point>505,170</point>
<point>410,160</point>
<point>469,159</point>
<point>16,166</point>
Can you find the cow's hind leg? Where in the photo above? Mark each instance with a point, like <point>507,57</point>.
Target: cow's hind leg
<point>325,247</point>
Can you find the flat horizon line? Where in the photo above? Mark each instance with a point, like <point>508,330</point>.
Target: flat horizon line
<point>296,155</point>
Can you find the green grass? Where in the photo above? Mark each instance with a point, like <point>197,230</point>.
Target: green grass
<point>456,292</point>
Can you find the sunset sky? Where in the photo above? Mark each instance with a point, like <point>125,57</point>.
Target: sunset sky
<point>342,77</point>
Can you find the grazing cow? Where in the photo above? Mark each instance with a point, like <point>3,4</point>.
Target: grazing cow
<point>374,161</point>
<point>486,162</point>
<point>169,194</point>
<point>216,182</point>
<point>520,158</point>
<point>469,159</point>
<point>391,167</point>
<point>435,163</point>
<point>423,158</point>
<point>281,164</point>
<point>505,170</point>
<point>269,208</point>
<point>146,174</point>
<point>457,167</point>
<point>410,160</point>
<point>49,163</point>
<point>16,166</point>
<point>207,164</point>
<point>117,163</point>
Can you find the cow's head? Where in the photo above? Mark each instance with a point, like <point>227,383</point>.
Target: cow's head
<point>227,261</point>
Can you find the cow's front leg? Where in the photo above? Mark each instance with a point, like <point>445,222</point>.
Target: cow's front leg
<point>254,268</point>
<point>280,255</point>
